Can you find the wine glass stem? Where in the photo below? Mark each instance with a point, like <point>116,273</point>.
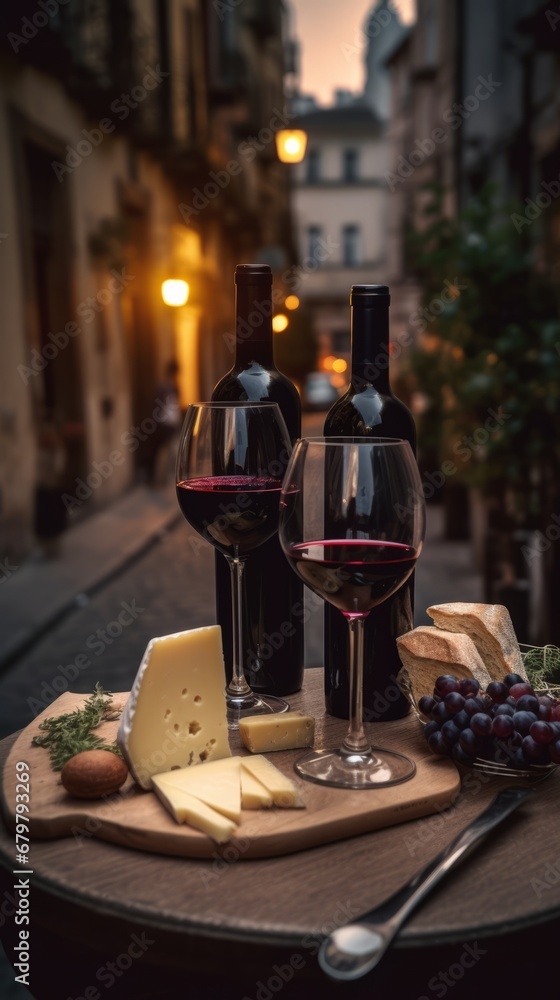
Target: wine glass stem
<point>356,741</point>
<point>237,686</point>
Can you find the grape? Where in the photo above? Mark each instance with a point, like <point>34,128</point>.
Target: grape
<point>512,679</point>
<point>554,750</point>
<point>502,726</point>
<point>545,711</point>
<point>446,683</point>
<point>473,705</point>
<point>555,714</point>
<point>461,756</point>
<point>469,742</point>
<point>437,744</point>
<point>468,686</point>
<point>535,752</point>
<point>426,704</point>
<point>505,710</point>
<point>450,732</point>
<point>518,690</point>
<point>523,722</point>
<point>541,732</point>
<point>440,713</point>
<point>432,727</point>
<point>498,692</point>
<point>481,724</point>
<point>454,702</point>
<point>462,719</point>
<point>528,703</point>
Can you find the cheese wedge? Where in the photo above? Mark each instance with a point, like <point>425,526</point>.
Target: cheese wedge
<point>278,731</point>
<point>253,794</point>
<point>186,809</point>
<point>217,784</point>
<point>176,713</point>
<point>284,792</point>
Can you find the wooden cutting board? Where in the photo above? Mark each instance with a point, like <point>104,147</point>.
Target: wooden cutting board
<point>137,819</point>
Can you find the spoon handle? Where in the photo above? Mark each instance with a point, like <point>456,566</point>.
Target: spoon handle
<point>397,907</point>
<point>354,949</point>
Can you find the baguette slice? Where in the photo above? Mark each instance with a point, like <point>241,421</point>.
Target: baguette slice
<point>490,628</point>
<point>428,652</point>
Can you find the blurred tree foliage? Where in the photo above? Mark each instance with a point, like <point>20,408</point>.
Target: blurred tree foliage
<point>491,346</point>
<point>295,349</point>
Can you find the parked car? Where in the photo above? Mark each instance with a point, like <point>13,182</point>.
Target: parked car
<point>318,391</point>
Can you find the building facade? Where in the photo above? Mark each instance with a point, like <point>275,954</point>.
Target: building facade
<point>117,124</point>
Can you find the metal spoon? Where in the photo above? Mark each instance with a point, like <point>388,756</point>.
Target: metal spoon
<point>351,951</point>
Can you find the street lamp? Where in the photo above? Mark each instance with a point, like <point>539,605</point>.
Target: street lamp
<point>291,145</point>
<point>175,292</point>
<point>280,323</point>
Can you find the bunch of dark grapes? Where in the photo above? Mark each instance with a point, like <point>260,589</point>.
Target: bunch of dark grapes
<point>508,723</point>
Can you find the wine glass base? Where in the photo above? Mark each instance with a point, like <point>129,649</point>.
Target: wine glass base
<point>253,704</point>
<point>377,768</point>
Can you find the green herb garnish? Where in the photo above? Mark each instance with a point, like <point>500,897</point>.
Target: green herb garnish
<point>69,734</point>
<point>543,667</point>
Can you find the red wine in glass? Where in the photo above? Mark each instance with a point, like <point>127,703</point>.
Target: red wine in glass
<point>233,512</point>
<point>353,575</point>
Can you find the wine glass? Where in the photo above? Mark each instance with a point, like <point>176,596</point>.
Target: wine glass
<point>230,463</point>
<point>351,525</point>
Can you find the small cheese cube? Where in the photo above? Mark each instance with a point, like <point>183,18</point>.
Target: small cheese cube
<point>284,792</point>
<point>176,713</point>
<point>278,731</point>
<point>186,809</point>
<point>216,783</point>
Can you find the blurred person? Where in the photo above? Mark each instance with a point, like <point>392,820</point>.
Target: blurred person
<point>164,439</point>
<point>50,512</point>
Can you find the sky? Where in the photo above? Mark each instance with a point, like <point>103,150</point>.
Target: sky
<point>332,43</point>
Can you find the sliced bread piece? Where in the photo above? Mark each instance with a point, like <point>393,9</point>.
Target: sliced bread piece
<point>428,652</point>
<point>491,629</point>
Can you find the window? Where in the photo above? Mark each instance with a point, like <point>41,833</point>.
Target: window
<point>315,242</point>
<point>313,166</point>
<point>351,246</point>
<point>350,165</point>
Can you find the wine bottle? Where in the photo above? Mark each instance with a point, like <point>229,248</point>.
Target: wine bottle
<point>369,409</point>
<point>274,615</point>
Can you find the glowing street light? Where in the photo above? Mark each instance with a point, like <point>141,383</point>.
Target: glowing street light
<point>175,292</point>
<point>291,145</point>
<point>279,323</point>
<point>339,365</point>
<point>292,302</point>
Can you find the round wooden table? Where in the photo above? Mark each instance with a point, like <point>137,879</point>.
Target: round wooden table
<point>143,925</point>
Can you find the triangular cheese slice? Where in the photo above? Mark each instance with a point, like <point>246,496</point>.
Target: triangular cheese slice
<point>284,792</point>
<point>253,794</point>
<point>216,783</point>
<point>186,808</point>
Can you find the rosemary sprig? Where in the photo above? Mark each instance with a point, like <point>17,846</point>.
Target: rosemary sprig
<point>69,734</point>
<point>543,667</point>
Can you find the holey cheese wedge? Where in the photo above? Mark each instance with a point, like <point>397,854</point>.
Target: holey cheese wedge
<point>217,784</point>
<point>277,731</point>
<point>176,713</point>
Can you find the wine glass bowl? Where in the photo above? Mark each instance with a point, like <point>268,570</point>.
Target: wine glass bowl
<point>230,464</point>
<point>352,524</point>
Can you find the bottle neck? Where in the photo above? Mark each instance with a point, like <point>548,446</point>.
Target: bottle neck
<point>253,325</point>
<point>370,346</point>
